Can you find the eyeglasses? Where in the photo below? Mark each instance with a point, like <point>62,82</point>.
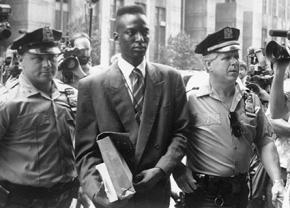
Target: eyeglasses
<point>235,124</point>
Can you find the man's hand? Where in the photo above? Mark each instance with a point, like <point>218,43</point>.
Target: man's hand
<point>186,182</point>
<point>147,179</point>
<point>278,192</point>
<point>101,199</point>
<point>78,71</point>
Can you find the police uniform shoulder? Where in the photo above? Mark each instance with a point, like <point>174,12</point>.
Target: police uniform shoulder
<point>198,84</point>
<point>199,91</point>
<point>62,87</point>
<point>7,94</point>
<point>12,83</point>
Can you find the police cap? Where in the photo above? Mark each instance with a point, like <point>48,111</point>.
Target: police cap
<point>40,41</point>
<point>224,40</point>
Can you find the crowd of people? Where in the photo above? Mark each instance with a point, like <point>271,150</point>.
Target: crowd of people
<point>52,116</point>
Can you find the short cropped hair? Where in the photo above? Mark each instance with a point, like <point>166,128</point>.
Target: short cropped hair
<point>77,36</point>
<point>132,9</point>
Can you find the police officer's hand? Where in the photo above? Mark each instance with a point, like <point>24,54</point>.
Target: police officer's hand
<point>185,181</point>
<point>147,179</point>
<point>278,192</point>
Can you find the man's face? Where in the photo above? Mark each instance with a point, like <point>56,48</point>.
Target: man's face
<point>39,68</point>
<point>84,46</point>
<point>133,37</point>
<point>242,72</point>
<point>226,66</point>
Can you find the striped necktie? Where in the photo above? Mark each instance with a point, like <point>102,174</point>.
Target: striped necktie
<point>137,92</point>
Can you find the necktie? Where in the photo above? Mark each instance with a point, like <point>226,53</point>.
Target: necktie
<point>137,92</point>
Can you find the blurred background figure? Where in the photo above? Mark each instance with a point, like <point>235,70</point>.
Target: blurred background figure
<point>243,72</point>
<point>75,60</point>
<point>10,69</point>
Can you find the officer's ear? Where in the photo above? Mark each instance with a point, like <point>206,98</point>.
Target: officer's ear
<point>208,65</point>
<point>116,36</point>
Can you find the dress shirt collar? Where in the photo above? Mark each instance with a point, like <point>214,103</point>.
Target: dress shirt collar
<point>126,68</point>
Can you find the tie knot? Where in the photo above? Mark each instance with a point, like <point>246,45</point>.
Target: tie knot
<point>137,73</point>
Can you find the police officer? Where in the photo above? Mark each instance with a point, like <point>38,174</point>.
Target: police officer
<point>37,129</point>
<point>228,120</point>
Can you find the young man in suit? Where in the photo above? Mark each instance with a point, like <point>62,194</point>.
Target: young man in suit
<point>149,103</point>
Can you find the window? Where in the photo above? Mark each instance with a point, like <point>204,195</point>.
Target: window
<point>160,32</point>
<point>61,15</point>
<point>114,7</point>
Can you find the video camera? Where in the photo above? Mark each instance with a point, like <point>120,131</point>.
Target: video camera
<point>5,29</point>
<point>275,51</point>
<point>260,76</point>
<point>69,60</point>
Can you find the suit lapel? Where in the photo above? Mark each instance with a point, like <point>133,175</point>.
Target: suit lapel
<point>121,100</point>
<point>153,90</point>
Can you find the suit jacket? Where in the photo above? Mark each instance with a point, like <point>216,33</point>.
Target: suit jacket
<point>104,104</point>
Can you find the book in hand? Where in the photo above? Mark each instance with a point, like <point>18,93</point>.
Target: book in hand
<point>116,175</point>
<point>108,184</point>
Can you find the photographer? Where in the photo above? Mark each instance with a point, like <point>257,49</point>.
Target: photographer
<point>75,63</point>
<point>243,72</point>
<point>10,69</point>
<point>259,76</point>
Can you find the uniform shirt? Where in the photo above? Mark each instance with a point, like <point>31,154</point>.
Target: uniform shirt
<point>126,69</point>
<point>213,149</point>
<point>36,134</point>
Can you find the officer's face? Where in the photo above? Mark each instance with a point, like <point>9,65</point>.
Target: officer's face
<point>226,66</point>
<point>39,68</point>
<point>133,36</point>
<point>84,46</point>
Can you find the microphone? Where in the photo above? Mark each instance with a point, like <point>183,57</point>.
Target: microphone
<point>279,33</point>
